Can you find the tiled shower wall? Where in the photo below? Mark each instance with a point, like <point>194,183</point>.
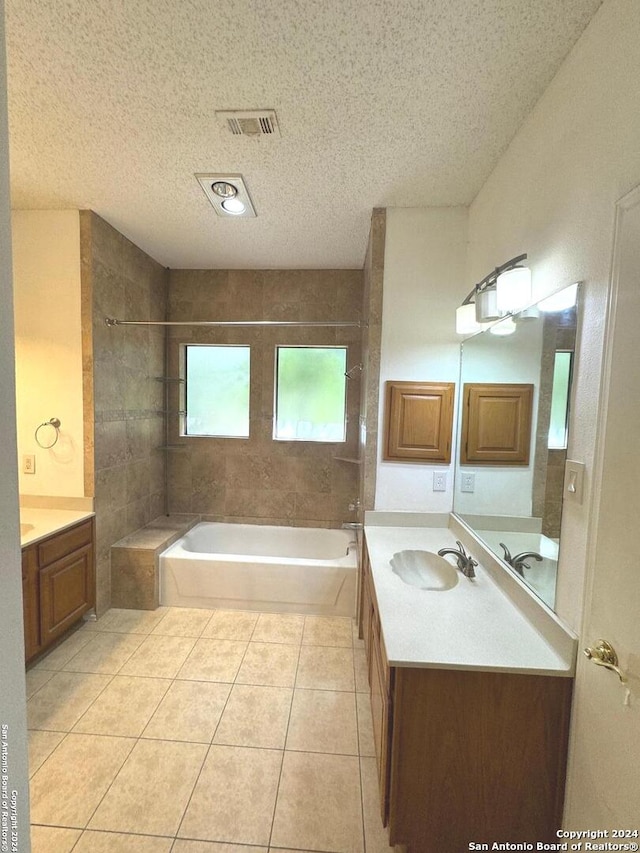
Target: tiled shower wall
<point>371,343</point>
<point>123,399</point>
<point>259,479</point>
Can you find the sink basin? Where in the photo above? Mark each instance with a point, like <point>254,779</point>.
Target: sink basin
<point>425,570</point>
<point>25,528</point>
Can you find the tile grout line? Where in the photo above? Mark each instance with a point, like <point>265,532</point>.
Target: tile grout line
<point>208,750</point>
<point>126,757</point>
<point>355,699</point>
<point>211,744</point>
<point>135,739</point>
<point>286,735</point>
<point>175,678</point>
<point>115,675</point>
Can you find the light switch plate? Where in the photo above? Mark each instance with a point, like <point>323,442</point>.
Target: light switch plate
<point>28,463</point>
<point>573,481</point>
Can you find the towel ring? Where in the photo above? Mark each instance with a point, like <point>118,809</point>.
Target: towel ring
<point>52,422</point>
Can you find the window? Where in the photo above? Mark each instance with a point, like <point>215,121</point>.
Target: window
<point>310,393</point>
<point>559,419</point>
<point>217,391</point>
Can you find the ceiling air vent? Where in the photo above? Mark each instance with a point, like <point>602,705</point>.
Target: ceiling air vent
<point>253,123</point>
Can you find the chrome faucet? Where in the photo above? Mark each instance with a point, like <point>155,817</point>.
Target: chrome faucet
<point>518,562</point>
<point>465,561</point>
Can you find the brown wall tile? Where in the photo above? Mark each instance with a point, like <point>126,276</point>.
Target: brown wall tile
<point>124,410</point>
<point>259,478</point>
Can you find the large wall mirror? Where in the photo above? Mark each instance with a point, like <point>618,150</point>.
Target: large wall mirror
<point>514,423</point>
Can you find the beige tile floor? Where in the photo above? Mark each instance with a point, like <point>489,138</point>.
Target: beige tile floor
<point>191,731</point>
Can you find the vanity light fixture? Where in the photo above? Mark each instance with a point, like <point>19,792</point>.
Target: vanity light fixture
<point>466,323</point>
<point>228,194</point>
<point>513,289</point>
<point>503,291</point>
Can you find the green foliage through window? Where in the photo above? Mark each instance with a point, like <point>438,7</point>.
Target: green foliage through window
<point>311,393</point>
<point>217,391</point>
<point>559,419</point>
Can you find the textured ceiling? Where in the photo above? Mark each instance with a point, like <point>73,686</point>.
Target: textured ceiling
<point>380,103</point>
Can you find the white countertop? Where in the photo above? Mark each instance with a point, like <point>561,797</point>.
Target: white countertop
<point>45,522</point>
<point>475,625</point>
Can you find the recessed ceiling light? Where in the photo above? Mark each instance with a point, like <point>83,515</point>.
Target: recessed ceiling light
<point>233,205</point>
<point>228,195</point>
<point>224,189</point>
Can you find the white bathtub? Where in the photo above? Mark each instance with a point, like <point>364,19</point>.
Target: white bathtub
<point>255,567</point>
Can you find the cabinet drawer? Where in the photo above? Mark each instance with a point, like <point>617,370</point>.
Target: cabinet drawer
<point>64,543</point>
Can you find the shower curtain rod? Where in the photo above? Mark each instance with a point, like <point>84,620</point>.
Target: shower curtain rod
<point>111,321</point>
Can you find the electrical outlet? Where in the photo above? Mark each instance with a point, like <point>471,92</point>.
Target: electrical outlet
<point>468,483</point>
<point>439,481</point>
<point>28,463</point>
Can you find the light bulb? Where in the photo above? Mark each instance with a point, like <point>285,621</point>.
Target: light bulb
<point>224,189</point>
<point>513,289</point>
<point>466,320</point>
<point>233,205</point>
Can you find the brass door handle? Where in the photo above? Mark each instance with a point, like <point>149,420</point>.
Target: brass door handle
<point>605,655</point>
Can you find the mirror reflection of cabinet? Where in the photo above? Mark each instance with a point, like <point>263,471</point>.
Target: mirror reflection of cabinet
<point>418,421</point>
<point>496,424</point>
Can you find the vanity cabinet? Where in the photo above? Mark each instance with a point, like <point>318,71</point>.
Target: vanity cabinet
<point>30,602</point>
<point>464,755</point>
<point>380,675</point>
<point>58,581</point>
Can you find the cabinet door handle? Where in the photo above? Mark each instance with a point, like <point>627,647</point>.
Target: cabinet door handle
<point>603,654</point>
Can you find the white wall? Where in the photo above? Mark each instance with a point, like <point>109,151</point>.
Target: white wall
<point>424,270</point>
<point>552,195</point>
<point>46,264</point>
<point>13,712</point>
<point>502,490</point>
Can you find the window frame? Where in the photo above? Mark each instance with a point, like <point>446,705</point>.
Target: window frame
<point>344,348</point>
<point>184,410</point>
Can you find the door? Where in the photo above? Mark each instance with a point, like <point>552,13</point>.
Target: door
<point>604,768</point>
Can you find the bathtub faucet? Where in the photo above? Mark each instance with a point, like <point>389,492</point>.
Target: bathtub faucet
<point>352,525</point>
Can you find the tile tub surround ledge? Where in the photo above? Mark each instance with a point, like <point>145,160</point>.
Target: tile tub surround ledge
<point>135,568</point>
<point>45,522</point>
<point>398,518</point>
<point>474,626</point>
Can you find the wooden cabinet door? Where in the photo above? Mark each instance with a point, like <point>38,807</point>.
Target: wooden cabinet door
<point>66,592</point>
<point>380,718</point>
<point>418,421</point>
<point>496,424</point>
<point>30,603</point>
